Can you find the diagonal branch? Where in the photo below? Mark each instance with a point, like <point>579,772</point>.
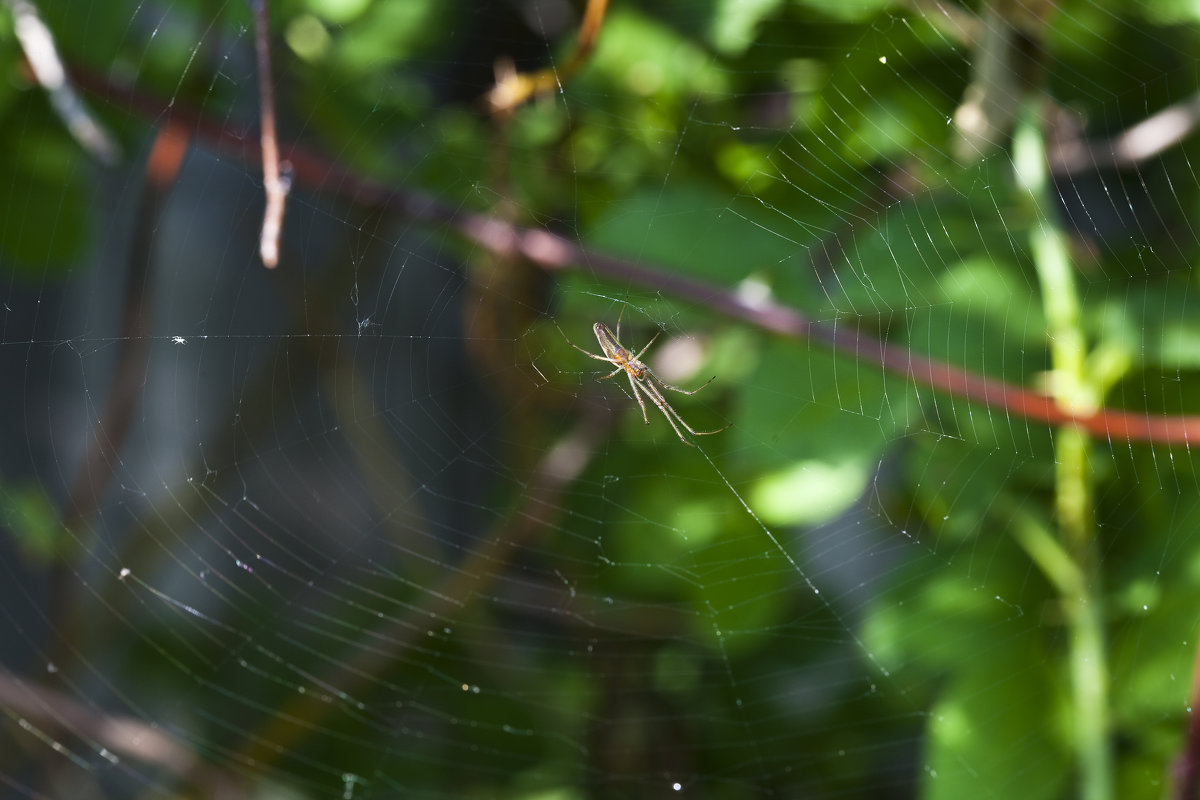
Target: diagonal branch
<point>553,252</point>
<point>102,455</point>
<point>41,709</point>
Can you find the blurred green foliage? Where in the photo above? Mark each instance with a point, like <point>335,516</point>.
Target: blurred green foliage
<point>801,150</point>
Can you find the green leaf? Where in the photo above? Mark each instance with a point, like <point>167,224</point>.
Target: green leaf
<point>734,22</point>
<point>826,424</point>
<point>44,194</point>
<point>810,492</point>
<point>849,10</point>
<point>339,12</point>
<point>992,727</point>
<point>690,227</point>
<point>1157,322</point>
<point>31,520</point>
<point>644,57</point>
<point>743,590</point>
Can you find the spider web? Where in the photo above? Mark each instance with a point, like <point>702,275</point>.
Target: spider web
<point>367,526</point>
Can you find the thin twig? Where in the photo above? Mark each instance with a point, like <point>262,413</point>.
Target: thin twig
<point>38,44</point>
<point>514,88</point>
<point>274,185</point>
<point>1131,147</point>
<point>553,252</point>
<point>124,736</point>
<point>49,711</point>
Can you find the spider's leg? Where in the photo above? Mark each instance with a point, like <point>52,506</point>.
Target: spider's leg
<point>682,421</point>
<point>612,374</point>
<point>637,395</point>
<point>587,353</point>
<point>666,385</point>
<point>665,407</point>
<point>692,430</point>
<point>647,347</point>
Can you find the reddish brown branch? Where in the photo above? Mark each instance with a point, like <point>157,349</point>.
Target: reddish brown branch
<point>129,376</point>
<point>102,455</point>
<point>554,252</point>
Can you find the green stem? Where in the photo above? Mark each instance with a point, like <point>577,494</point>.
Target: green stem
<point>1076,393</point>
<point>1038,542</point>
<point>1085,616</point>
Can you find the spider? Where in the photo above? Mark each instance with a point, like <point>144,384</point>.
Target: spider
<point>641,377</point>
